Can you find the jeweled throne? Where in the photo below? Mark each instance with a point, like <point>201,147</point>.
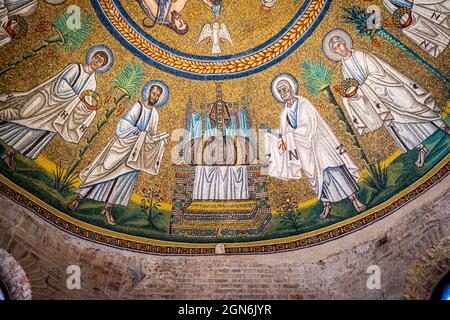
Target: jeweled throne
<point>220,191</point>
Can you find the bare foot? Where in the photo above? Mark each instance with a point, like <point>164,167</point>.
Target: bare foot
<point>326,211</point>
<point>109,217</point>
<point>73,205</point>
<point>359,206</point>
<point>423,152</point>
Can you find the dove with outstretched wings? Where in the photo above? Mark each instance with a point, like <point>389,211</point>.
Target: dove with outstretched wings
<point>216,32</point>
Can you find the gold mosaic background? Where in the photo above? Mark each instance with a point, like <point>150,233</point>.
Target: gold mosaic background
<point>248,27</point>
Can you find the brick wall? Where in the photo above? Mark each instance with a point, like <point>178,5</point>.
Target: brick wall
<point>335,270</point>
<point>14,278</point>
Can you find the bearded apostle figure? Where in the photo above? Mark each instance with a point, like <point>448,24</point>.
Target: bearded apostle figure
<point>306,143</point>
<point>63,105</point>
<point>380,96</point>
<point>136,147</point>
<point>425,22</point>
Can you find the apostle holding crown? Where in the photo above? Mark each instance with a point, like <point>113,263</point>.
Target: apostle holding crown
<point>64,105</point>
<point>306,143</point>
<point>136,146</point>
<point>377,95</point>
<point>425,22</point>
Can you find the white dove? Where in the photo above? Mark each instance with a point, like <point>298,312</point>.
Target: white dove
<point>217,32</point>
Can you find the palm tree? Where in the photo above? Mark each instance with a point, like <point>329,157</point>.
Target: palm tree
<point>317,79</point>
<point>125,88</point>
<point>69,39</point>
<point>358,17</point>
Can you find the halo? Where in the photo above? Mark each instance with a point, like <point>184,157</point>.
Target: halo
<point>286,77</point>
<point>105,49</point>
<point>164,96</point>
<point>326,43</point>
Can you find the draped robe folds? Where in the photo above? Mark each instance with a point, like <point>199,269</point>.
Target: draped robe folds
<point>388,98</point>
<point>134,148</point>
<point>5,38</point>
<point>430,27</point>
<point>314,149</point>
<point>20,7</point>
<point>29,120</point>
<point>163,10</point>
<point>220,183</point>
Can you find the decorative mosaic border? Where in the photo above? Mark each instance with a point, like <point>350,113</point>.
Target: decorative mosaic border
<point>220,224</point>
<point>129,34</point>
<point>142,245</point>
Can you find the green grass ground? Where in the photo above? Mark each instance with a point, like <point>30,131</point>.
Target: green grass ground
<point>402,173</point>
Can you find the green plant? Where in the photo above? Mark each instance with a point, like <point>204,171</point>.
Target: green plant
<point>317,78</point>
<point>69,39</point>
<point>62,181</point>
<point>72,39</point>
<point>289,213</point>
<point>130,79</point>
<point>359,18</point>
<point>150,205</point>
<point>376,178</point>
<point>125,85</point>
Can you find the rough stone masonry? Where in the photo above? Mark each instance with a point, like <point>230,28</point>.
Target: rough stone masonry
<point>411,247</point>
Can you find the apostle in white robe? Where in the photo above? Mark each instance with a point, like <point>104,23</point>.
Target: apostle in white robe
<point>30,120</point>
<point>136,147</point>
<point>387,98</point>
<point>306,144</point>
<point>428,26</point>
